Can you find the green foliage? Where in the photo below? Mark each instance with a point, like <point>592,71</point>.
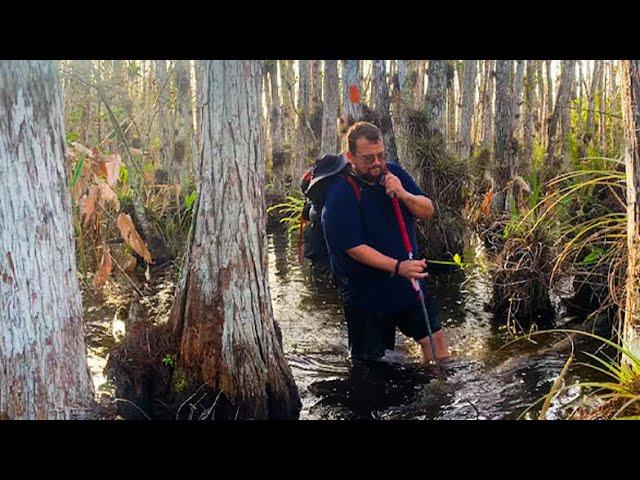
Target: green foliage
<point>77,171</point>
<point>71,136</point>
<point>292,209</point>
<point>189,200</point>
<point>624,384</point>
<point>169,360</point>
<point>124,174</point>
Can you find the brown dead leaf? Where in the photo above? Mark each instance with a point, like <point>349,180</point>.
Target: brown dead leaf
<point>106,265</point>
<point>486,202</point>
<point>131,236</point>
<point>135,151</point>
<point>113,169</point>
<point>81,148</point>
<point>109,196</point>
<point>90,206</point>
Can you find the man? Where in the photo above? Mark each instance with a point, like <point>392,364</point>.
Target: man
<point>366,253</point>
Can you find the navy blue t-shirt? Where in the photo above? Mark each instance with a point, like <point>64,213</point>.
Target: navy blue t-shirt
<point>348,223</point>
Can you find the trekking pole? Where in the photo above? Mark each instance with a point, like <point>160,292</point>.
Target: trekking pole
<point>414,282</point>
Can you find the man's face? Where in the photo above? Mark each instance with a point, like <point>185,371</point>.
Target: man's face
<point>368,161</point>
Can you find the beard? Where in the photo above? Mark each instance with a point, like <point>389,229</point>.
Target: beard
<point>371,175</point>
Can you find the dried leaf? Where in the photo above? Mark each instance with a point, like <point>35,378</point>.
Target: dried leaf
<point>100,169</point>
<point>81,148</point>
<point>106,265</point>
<point>113,169</point>
<point>109,196</point>
<point>90,206</point>
<point>486,202</point>
<point>131,236</point>
<point>522,183</point>
<point>135,151</point>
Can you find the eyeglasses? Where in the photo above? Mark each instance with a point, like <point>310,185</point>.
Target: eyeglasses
<point>369,159</point>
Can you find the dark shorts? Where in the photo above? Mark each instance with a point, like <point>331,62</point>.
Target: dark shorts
<point>371,333</point>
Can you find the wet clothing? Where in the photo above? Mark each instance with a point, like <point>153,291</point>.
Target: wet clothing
<point>372,299</point>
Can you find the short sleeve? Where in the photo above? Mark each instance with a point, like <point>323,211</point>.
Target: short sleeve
<point>341,220</point>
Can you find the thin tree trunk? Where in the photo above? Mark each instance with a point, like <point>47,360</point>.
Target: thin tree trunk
<point>466,114</point>
<point>280,166</point>
<point>549,102</point>
<point>407,78</point>
<point>162,85</point>
<point>381,102</point>
<point>556,162</point>
<point>530,110</point>
<point>329,140</point>
<point>631,121</point>
<point>451,106</point>
<point>183,126</point>
<point>287,82</point>
<point>517,87</point>
<point>352,110</point>
<point>43,363</point>
<point>304,135</point>
<point>419,85</point>
<point>436,95</point>
<point>222,312</point>
<point>503,165</point>
<point>487,105</point>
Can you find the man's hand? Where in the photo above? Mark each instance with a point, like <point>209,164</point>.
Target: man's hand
<point>392,184</point>
<point>413,269</point>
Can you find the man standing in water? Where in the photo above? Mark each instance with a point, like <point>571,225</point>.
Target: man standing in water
<point>366,253</point>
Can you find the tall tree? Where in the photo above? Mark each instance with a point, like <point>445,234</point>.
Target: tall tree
<point>590,130</point>
<point>631,121</point>
<point>517,99</point>
<point>183,119</point>
<point>436,95</point>
<point>304,134</point>
<point>407,78</point>
<point>381,106</point>
<point>503,164</point>
<point>352,111</point>
<point>329,142</point>
<point>162,85</point>
<point>530,111</point>
<point>466,113</point>
<point>43,363</point>
<point>556,161</point>
<point>222,311</point>
<point>451,104</point>
<point>278,153</point>
<point>487,104</point>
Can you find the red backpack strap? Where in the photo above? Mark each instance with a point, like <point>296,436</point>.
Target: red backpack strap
<point>354,185</point>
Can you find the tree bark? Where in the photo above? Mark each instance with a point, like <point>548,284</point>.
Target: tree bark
<point>381,106</point>
<point>451,105</point>
<point>529,115</point>
<point>517,107</point>
<point>43,363</point>
<point>329,142</point>
<point>305,140</point>
<point>162,85</point>
<point>222,312</point>
<point>436,95</point>
<point>487,105</point>
<point>466,114</point>
<point>352,111</point>
<point>183,126</point>
<point>631,121</point>
<point>503,165</point>
<point>556,162</point>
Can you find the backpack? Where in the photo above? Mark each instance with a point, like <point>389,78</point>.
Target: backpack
<point>314,184</point>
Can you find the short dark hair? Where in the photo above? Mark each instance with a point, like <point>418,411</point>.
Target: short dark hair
<point>362,129</point>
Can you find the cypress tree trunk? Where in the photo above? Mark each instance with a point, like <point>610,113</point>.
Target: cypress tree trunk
<point>436,96</point>
<point>631,120</point>
<point>222,312</point>
<point>556,161</point>
<point>352,111</point>
<point>503,164</point>
<point>381,106</point>
<point>466,114</point>
<point>162,85</point>
<point>487,105</point>
<point>329,142</point>
<point>43,363</point>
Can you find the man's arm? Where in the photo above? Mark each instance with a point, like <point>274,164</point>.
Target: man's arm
<point>373,258</point>
<point>419,205</point>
